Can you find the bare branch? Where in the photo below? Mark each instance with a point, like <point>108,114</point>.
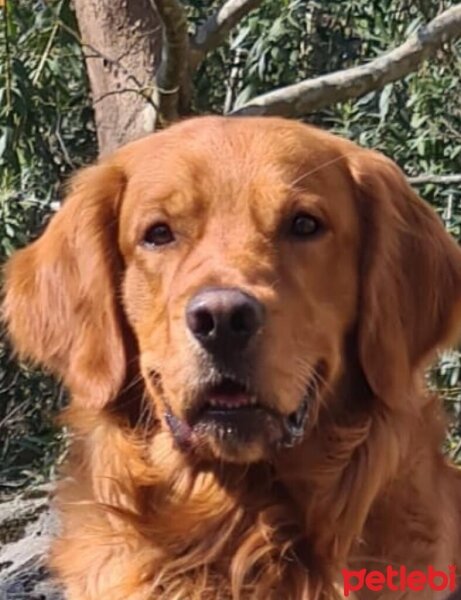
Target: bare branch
<point>145,93</point>
<point>48,47</point>
<point>173,71</point>
<point>114,62</point>
<point>214,30</point>
<point>436,179</point>
<point>307,96</point>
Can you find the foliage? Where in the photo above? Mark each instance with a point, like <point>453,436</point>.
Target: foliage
<point>46,130</point>
<point>30,440</point>
<point>46,125</point>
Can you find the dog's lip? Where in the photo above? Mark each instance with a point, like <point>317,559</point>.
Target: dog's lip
<point>227,395</point>
<point>230,410</point>
<point>294,424</point>
<point>232,404</point>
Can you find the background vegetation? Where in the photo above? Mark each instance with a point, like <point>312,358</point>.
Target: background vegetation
<point>47,130</point>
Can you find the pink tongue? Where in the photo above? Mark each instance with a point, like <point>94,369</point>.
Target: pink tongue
<point>229,400</point>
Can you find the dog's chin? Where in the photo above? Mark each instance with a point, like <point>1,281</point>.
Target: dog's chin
<point>241,435</point>
<point>229,451</point>
<point>229,422</point>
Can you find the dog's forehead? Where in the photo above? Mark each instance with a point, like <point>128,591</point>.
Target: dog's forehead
<point>231,163</point>
<point>232,146</point>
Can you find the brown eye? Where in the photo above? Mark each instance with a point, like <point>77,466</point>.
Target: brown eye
<point>304,226</point>
<point>158,234</point>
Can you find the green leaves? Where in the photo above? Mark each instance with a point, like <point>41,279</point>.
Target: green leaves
<point>45,119</point>
<point>45,105</point>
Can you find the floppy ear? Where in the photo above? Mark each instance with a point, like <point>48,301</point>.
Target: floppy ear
<point>410,279</point>
<point>60,292</point>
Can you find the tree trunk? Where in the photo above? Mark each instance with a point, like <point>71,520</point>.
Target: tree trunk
<point>122,42</point>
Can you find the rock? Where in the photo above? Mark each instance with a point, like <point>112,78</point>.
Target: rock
<point>26,527</point>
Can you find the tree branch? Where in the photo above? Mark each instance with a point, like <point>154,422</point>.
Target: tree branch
<point>307,96</point>
<point>214,30</point>
<point>172,74</point>
<point>436,179</point>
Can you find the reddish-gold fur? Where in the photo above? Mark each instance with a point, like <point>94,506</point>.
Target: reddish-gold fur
<point>372,299</point>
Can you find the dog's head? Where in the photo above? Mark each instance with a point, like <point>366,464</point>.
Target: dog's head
<point>259,265</point>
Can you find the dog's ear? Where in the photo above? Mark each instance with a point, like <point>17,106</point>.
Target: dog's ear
<point>60,303</point>
<point>410,279</point>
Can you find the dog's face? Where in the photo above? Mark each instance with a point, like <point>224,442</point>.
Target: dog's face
<point>244,254</point>
<point>241,258</point>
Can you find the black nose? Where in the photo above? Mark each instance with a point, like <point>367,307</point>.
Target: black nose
<point>224,320</point>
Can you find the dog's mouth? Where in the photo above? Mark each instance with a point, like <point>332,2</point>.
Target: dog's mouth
<point>234,416</point>
<point>229,396</point>
<point>232,409</point>
<point>230,412</point>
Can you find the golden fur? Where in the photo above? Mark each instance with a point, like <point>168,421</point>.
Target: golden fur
<point>370,300</point>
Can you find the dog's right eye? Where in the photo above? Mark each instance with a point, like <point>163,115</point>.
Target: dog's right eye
<point>158,234</point>
<point>305,226</point>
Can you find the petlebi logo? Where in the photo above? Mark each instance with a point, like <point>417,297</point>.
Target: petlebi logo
<point>399,579</point>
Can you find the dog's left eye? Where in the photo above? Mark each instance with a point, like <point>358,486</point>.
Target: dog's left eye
<point>158,234</point>
<point>304,225</point>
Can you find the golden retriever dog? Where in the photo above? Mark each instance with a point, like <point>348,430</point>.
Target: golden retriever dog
<point>243,310</point>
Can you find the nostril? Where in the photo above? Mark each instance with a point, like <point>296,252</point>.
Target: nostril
<point>243,321</point>
<point>201,322</point>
